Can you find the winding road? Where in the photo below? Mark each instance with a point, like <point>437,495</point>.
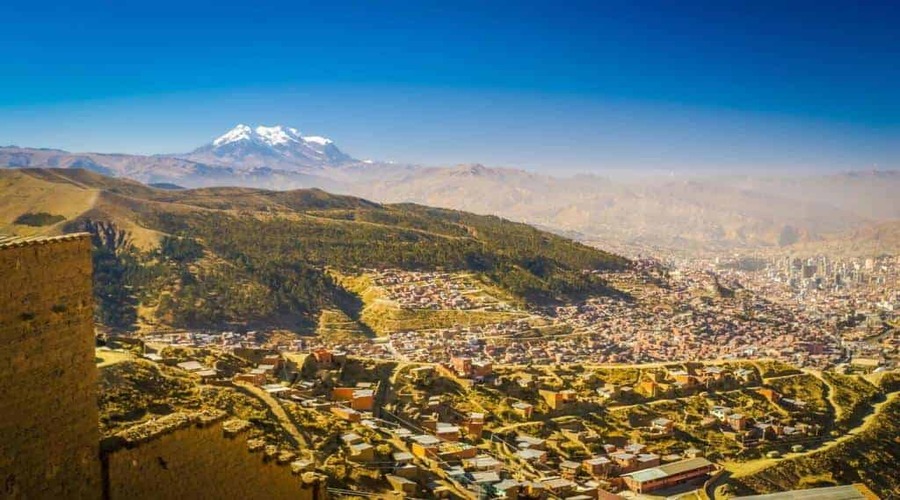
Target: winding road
<point>283,418</point>
<point>752,467</point>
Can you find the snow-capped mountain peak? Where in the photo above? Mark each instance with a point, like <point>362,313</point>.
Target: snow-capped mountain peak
<point>277,135</point>
<point>273,136</point>
<point>238,133</point>
<point>271,146</point>
<point>315,139</point>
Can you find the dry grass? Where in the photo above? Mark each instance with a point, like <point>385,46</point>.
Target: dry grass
<point>22,193</point>
<point>106,358</point>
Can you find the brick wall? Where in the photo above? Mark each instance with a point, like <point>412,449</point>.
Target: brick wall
<point>49,421</point>
<point>49,432</point>
<point>200,460</point>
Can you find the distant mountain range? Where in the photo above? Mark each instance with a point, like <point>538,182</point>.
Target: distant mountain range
<point>662,213</point>
<point>870,240</point>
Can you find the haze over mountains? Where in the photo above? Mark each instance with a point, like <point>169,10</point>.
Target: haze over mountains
<point>647,213</point>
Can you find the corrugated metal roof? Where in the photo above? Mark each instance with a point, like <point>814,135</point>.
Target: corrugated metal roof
<point>669,469</point>
<point>684,465</point>
<point>642,476</point>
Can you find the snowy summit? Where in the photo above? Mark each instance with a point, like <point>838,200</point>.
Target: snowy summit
<point>276,146</point>
<point>271,136</point>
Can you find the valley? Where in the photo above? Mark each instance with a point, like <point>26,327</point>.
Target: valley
<point>399,347</point>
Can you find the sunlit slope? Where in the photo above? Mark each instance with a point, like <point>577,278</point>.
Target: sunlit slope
<point>21,194</point>
<point>238,255</point>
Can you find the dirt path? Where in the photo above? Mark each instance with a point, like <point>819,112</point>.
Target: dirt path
<point>752,467</point>
<point>829,396</point>
<point>283,418</point>
<point>517,425</point>
<point>682,398</point>
<point>866,422</point>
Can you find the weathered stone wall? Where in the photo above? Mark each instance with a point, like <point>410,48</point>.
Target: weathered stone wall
<point>191,457</point>
<point>49,433</point>
<point>49,421</point>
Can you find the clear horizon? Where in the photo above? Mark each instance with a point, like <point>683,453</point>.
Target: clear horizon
<point>587,88</point>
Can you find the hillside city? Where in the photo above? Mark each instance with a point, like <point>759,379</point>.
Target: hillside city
<point>311,345</point>
<point>301,343</point>
<point>791,310</point>
<point>687,384</point>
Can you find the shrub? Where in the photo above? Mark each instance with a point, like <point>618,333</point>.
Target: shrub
<point>38,219</point>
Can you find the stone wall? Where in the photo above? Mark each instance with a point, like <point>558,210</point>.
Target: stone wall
<point>198,456</point>
<point>49,420</point>
<point>49,433</point>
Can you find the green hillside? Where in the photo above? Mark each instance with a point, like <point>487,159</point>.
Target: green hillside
<point>204,257</point>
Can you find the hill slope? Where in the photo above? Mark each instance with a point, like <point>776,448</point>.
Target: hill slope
<point>867,241</point>
<point>203,257</point>
<point>872,457</point>
<point>696,214</point>
<point>702,214</point>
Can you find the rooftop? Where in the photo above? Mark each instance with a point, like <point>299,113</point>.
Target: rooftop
<point>485,477</point>
<point>642,476</point>
<point>684,465</point>
<point>426,440</point>
<point>669,469</point>
<point>10,241</point>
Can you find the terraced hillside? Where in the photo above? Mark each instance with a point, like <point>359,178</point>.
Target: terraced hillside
<point>214,256</point>
<point>870,455</point>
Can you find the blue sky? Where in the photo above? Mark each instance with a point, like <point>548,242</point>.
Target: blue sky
<point>552,86</point>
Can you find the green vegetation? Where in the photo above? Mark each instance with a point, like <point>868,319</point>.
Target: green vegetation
<point>132,391</point>
<point>213,295</point>
<point>120,270</point>
<point>871,457</point>
<point>384,320</point>
<point>811,391</point>
<point>180,250</point>
<point>771,368</point>
<point>518,258</point>
<point>888,381</point>
<point>208,257</point>
<point>38,219</point>
<point>334,325</point>
<point>135,391</point>
<point>852,395</point>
